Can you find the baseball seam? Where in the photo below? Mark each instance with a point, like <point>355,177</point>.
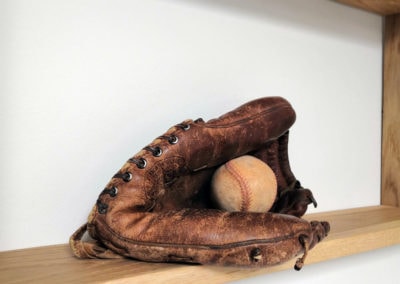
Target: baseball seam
<point>244,186</point>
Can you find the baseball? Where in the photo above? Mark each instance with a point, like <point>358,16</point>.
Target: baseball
<point>244,184</point>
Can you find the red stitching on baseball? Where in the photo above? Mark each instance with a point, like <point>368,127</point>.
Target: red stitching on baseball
<point>244,186</point>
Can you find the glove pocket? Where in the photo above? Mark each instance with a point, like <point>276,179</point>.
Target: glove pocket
<point>208,236</point>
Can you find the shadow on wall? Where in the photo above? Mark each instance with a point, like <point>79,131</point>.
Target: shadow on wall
<point>338,19</point>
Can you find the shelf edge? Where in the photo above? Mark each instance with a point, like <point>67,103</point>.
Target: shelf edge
<point>353,231</point>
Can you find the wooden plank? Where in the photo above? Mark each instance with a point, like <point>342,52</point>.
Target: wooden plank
<point>353,231</point>
<point>390,192</point>
<point>382,7</point>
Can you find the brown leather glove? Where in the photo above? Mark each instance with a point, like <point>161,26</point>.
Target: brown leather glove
<point>158,207</point>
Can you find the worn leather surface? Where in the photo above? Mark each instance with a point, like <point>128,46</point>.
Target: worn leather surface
<point>158,207</point>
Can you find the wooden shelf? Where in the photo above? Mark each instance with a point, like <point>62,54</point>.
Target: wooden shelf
<point>353,231</point>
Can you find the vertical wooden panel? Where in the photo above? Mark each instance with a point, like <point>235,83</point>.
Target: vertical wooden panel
<point>383,7</point>
<point>391,113</point>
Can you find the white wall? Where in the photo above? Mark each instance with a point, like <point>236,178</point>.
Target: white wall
<point>86,84</point>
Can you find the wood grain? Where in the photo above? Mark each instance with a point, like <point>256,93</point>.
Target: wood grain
<point>391,113</point>
<point>382,7</point>
<point>353,231</point>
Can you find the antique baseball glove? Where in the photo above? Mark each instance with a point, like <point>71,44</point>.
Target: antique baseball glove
<point>157,207</point>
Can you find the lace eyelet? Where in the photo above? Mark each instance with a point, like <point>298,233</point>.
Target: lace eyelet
<point>102,210</point>
<point>113,191</point>
<point>126,177</point>
<point>157,152</point>
<point>173,139</point>
<point>101,207</point>
<point>256,255</point>
<point>142,163</point>
<point>184,126</point>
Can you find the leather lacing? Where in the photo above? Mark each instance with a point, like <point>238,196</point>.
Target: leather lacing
<point>156,151</point>
<point>126,177</point>
<point>141,163</point>
<point>102,207</point>
<point>300,261</point>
